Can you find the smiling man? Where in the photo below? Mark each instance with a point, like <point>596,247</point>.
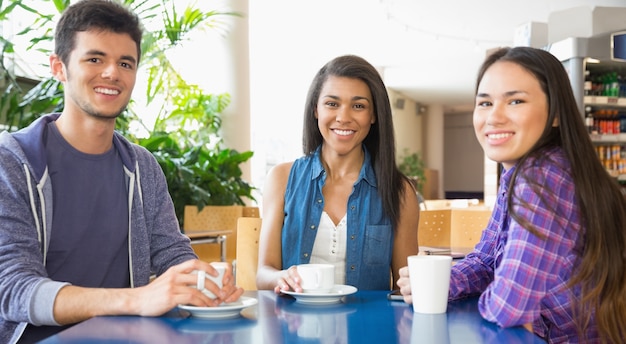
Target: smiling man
<point>85,217</point>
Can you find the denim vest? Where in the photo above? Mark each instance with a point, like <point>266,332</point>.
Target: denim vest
<point>370,232</point>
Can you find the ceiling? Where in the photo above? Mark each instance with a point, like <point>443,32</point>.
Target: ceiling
<point>429,51</point>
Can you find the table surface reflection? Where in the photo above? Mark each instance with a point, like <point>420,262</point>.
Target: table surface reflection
<point>363,317</point>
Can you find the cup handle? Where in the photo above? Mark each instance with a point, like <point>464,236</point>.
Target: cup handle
<point>201,278</point>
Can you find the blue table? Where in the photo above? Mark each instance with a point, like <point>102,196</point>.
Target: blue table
<point>363,317</point>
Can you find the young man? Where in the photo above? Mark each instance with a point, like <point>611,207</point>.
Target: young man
<point>85,216</point>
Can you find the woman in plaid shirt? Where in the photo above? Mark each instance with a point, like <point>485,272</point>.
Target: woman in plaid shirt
<point>553,253</point>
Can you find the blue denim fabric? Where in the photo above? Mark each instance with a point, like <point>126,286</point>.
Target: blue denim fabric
<point>370,232</point>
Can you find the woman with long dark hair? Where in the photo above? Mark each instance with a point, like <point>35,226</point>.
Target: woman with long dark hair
<point>553,253</point>
<point>345,202</point>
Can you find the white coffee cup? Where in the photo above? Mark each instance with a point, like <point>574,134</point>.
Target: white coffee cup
<point>203,276</point>
<point>430,282</point>
<point>316,278</point>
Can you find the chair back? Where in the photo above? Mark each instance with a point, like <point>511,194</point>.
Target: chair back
<point>216,217</point>
<point>248,231</point>
<point>459,228</point>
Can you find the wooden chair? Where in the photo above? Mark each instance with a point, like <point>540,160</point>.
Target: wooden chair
<point>248,231</point>
<point>217,225</point>
<point>452,227</point>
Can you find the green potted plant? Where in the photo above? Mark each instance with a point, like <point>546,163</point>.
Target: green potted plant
<point>199,170</point>
<point>412,166</point>
<point>185,136</point>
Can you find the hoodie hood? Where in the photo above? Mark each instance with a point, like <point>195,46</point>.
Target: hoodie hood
<point>36,153</point>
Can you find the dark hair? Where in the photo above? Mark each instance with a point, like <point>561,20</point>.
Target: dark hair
<point>380,141</point>
<point>601,272</point>
<point>102,15</point>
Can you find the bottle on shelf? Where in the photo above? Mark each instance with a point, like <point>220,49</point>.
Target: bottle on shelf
<point>588,86</point>
<point>589,121</point>
<point>614,85</point>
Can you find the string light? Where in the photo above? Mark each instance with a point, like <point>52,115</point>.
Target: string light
<point>388,7</point>
<point>436,36</point>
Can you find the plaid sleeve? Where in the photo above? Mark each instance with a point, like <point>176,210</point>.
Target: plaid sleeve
<point>471,275</point>
<point>530,265</point>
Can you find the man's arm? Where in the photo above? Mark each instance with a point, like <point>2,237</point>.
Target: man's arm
<point>176,286</point>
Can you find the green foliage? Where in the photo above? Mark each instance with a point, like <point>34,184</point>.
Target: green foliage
<point>199,176</point>
<point>413,166</point>
<point>185,136</point>
<point>187,145</point>
<point>20,108</point>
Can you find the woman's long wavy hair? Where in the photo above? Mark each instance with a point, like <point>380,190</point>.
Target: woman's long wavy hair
<point>380,141</point>
<point>601,272</point>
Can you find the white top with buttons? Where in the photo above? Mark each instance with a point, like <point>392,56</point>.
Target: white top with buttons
<point>330,245</point>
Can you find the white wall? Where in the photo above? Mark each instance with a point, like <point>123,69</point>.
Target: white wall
<point>407,124</point>
<point>236,126</point>
<point>434,136</point>
<point>463,155</point>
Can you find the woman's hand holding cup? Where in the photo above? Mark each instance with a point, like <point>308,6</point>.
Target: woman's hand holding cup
<point>307,278</point>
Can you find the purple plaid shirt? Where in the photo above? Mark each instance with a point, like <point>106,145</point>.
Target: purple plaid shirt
<point>521,278</point>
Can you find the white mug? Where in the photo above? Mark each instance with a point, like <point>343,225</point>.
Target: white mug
<point>202,276</point>
<point>316,278</point>
<point>430,281</point>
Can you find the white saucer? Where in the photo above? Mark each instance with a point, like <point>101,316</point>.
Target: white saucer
<point>225,311</point>
<point>333,296</point>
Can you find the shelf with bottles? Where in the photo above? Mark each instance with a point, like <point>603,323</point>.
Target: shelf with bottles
<point>613,158</point>
<point>606,126</point>
<point>605,101</point>
<point>605,81</point>
<point>608,138</point>
<point>605,114</point>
